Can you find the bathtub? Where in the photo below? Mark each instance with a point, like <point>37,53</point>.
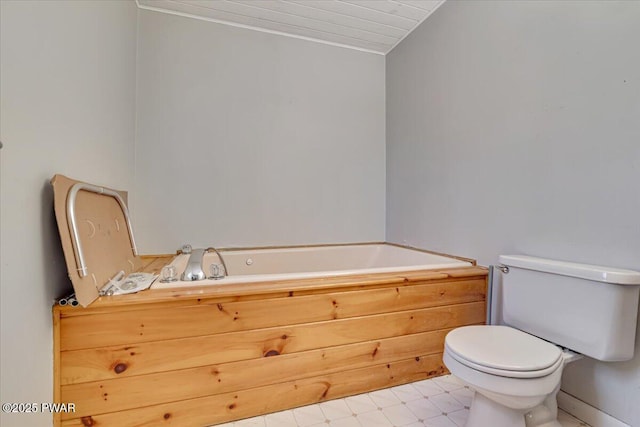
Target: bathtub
<point>293,263</point>
<point>194,355</point>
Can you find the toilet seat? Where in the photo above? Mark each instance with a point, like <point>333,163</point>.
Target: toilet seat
<point>503,351</point>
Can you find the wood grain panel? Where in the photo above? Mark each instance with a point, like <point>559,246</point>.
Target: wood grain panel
<point>127,393</point>
<point>261,400</point>
<point>183,296</point>
<point>204,355</point>
<point>208,318</point>
<point>155,264</point>
<point>143,358</point>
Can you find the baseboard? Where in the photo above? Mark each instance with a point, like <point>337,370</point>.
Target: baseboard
<point>587,413</point>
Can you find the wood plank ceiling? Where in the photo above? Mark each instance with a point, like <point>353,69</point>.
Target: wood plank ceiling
<point>369,25</point>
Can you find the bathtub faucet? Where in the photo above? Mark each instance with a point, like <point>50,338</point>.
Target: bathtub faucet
<point>215,269</point>
<point>194,270</point>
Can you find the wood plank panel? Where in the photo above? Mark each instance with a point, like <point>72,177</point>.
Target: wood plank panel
<point>137,359</point>
<point>152,262</point>
<point>127,393</point>
<point>187,295</point>
<point>255,401</point>
<point>155,264</point>
<point>129,327</point>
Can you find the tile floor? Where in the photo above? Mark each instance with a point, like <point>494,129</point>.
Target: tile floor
<point>438,402</point>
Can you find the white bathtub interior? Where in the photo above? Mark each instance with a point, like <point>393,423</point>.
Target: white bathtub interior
<point>257,265</point>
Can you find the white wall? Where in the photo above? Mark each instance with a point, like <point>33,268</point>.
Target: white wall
<point>514,127</point>
<point>67,106</point>
<point>247,138</point>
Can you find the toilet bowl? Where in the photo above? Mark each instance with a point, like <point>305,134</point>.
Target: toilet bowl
<point>515,369</point>
<point>515,376</point>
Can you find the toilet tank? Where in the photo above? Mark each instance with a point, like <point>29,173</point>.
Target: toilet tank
<point>589,309</point>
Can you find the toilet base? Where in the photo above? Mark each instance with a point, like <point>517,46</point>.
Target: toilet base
<point>546,414</point>
<point>485,411</point>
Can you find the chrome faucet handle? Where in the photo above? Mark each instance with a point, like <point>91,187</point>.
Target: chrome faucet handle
<point>186,249</point>
<point>216,272</point>
<point>168,274</point>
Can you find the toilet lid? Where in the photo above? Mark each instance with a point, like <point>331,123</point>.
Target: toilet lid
<point>503,350</point>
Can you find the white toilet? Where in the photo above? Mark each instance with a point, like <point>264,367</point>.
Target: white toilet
<point>556,312</point>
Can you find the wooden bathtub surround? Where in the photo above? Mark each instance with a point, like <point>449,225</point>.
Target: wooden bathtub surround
<point>200,356</point>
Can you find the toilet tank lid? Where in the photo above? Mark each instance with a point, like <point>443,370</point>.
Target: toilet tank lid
<point>596,273</point>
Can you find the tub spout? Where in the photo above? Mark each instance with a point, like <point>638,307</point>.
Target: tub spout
<point>194,270</point>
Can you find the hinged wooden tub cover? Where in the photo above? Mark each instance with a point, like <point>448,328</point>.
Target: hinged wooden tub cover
<point>96,235</point>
